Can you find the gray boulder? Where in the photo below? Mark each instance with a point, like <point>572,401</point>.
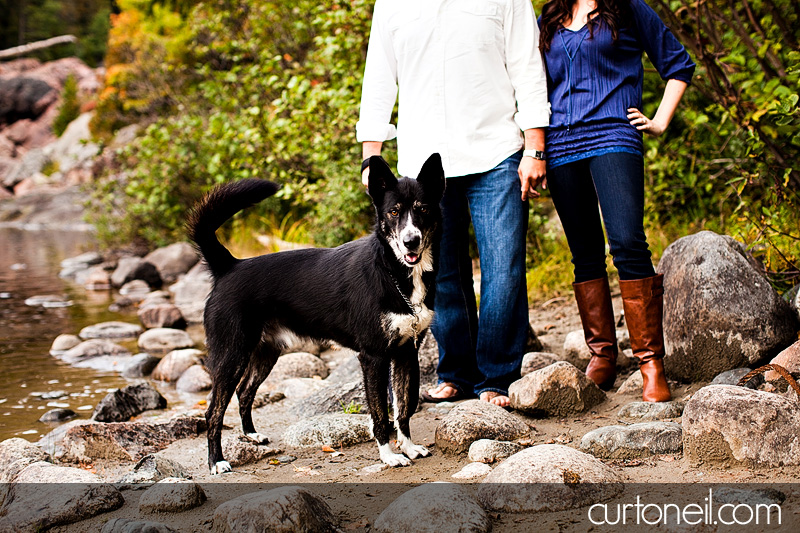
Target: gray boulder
<point>191,291</point>
<point>474,420</point>
<point>730,377</point>
<point>632,385</point>
<point>537,360</point>
<point>175,363</point>
<point>788,359</point>
<point>163,340</point>
<point>93,348</point>
<point>161,316</point>
<point>333,399</point>
<point>296,365</point>
<point>577,352</point>
<point>636,440</point>
<point>140,365</point>
<point>152,468</point>
<point>329,430</point>
<point>649,411</point>
<point>434,508</point>
<point>548,477</point>
<point>73,265</point>
<point>111,330</point>
<point>131,268</point>
<point>720,312</point>
<point>122,404</point>
<point>58,415</point>
<point>297,388</point>
<point>240,450</point>
<point>171,495</point>
<point>195,379</point>
<point>15,455</point>
<point>729,424</point>
<point>492,451</point>
<point>556,390</point>
<point>173,260</point>
<point>64,342</point>
<point>282,510</point>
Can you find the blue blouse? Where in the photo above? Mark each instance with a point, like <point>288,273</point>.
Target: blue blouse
<point>592,82</point>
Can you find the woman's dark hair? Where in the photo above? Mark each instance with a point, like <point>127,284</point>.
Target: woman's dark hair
<point>615,13</point>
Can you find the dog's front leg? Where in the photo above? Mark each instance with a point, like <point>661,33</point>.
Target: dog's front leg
<point>405,385</point>
<point>376,383</point>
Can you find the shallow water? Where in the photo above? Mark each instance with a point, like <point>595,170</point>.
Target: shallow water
<point>29,266</point>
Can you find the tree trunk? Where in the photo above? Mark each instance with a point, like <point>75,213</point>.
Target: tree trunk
<point>38,45</point>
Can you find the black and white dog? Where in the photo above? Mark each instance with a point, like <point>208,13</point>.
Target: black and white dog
<point>373,295</point>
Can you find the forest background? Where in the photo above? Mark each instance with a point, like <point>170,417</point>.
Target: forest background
<point>231,89</point>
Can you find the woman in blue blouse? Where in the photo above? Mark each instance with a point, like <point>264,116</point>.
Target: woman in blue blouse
<point>593,52</point>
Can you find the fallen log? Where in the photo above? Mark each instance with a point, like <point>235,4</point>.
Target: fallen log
<point>38,45</point>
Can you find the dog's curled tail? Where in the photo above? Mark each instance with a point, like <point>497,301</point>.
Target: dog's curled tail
<point>220,204</point>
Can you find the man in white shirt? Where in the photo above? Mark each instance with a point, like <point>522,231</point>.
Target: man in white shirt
<point>471,87</point>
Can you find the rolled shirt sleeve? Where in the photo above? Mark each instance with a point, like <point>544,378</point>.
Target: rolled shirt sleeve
<point>662,47</point>
<point>525,66</point>
<point>379,88</point>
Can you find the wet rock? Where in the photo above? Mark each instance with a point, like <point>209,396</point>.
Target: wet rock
<point>537,360</point>
<point>296,365</point>
<point>474,420</point>
<point>329,430</point>
<point>73,265</point>
<point>162,340</point>
<point>122,404</point>
<point>730,377</point>
<point>433,508</point>
<point>548,477</point>
<point>195,379</point>
<point>175,363</point>
<point>47,300</point>
<point>720,313</point>
<point>788,359</point>
<point>282,509</point>
<point>172,495</point>
<point>651,410</point>
<point>332,399</point>
<point>152,468</point>
<point>557,390</point>
<point>637,440</point>
<point>58,415</point>
<point>473,471</point>
<point>140,365</point>
<point>135,268</point>
<point>161,316</point>
<point>191,291</point>
<point>240,450</point>
<point>173,260</point>
<point>93,348</point>
<point>297,388</point>
<point>125,525</point>
<point>492,451</point>
<point>729,424</point>
<point>44,496</point>
<point>64,342</point>
<point>111,330</point>
<point>125,441</point>
<point>632,385</point>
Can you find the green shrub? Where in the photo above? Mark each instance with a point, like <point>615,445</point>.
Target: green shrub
<point>70,107</point>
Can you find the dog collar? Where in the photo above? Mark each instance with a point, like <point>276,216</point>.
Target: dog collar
<point>414,310</point>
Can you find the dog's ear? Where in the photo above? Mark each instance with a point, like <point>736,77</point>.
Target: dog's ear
<point>381,179</point>
<point>431,177</point>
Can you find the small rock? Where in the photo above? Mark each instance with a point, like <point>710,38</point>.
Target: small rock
<point>58,415</point>
<point>161,316</point>
<point>632,385</point>
<point>548,477</point>
<point>135,268</point>
<point>492,451</point>
<point>473,471</point>
<point>329,430</point>
<point>536,360</point>
<point>373,469</point>
<point>64,342</point>
<point>434,508</point>
<point>163,340</point>
<point>297,388</point>
<point>172,495</point>
<point>48,300</point>
<point>240,450</point>
<point>788,359</point>
<point>636,440</point>
<point>95,279</point>
<point>195,379</point>
<point>175,363</point>
<point>125,525</point>
<point>173,260</point>
<point>263,399</point>
<point>651,410</point>
<point>136,290</point>
<point>557,390</point>
<point>155,298</point>
<point>730,377</point>
<point>80,262</point>
<point>473,420</point>
<point>296,365</point>
<point>286,459</point>
<point>282,509</point>
<point>140,365</point>
<point>152,468</point>
<point>93,348</point>
<point>122,404</point>
<point>111,330</point>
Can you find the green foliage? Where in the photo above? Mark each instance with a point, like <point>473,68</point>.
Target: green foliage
<point>352,408</point>
<point>70,107</point>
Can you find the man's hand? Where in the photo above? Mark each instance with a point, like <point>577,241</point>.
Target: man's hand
<point>532,172</point>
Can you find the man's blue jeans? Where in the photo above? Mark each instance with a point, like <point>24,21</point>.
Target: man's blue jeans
<point>616,182</point>
<point>482,353</point>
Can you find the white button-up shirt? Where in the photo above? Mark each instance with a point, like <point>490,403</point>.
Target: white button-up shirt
<point>470,78</point>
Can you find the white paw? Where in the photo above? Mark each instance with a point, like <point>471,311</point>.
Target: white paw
<point>221,467</point>
<point>259,438</point>
<point>392,459</point>
<point>415,450</point>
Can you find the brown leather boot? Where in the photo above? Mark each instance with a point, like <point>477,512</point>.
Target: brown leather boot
<point>643,300</point>
<point>597,317</point>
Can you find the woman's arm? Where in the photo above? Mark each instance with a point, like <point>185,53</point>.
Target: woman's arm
<point>673,93</point>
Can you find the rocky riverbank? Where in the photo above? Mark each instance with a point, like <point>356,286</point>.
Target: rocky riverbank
<point>566,444</point>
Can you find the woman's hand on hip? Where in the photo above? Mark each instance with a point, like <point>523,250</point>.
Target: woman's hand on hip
<point>642,123</point>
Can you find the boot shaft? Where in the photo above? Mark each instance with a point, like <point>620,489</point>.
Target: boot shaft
<point>643,301</point>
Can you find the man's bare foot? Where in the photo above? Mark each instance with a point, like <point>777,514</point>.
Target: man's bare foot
<point>496,398</point>
<point>443,391</point>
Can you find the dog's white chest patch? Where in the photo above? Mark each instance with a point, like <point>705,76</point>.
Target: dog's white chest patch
<point>407,326</point>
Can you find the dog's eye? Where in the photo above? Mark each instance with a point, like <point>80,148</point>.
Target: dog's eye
<point>394,213</point>
<point>422,209</point>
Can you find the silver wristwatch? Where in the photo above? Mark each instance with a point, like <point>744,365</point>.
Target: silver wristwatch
<point>536,154</point>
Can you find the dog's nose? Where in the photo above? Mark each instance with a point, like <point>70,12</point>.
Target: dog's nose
<point>411,242</point>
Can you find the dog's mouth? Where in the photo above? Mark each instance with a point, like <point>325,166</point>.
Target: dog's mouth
<point>411,258</point>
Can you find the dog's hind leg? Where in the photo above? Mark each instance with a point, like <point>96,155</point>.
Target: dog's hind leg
<point>261,364</point>
<point>405,388</point>
<point>224,378</point>
<point>376,383</point>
